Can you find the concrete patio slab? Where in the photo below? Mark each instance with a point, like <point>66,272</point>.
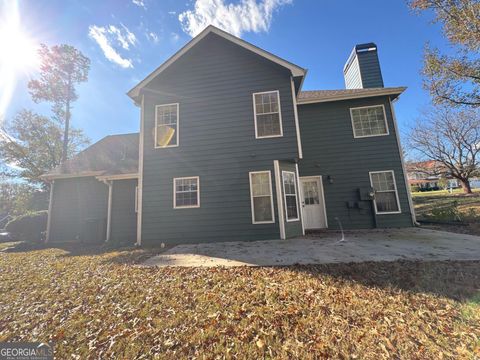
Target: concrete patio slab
<point>327,247</point>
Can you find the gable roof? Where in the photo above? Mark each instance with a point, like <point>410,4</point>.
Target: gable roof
<point>316,96</point>
<point>112,155</point>
<point>296,70</point>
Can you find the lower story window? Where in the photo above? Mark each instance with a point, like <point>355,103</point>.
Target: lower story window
<point>186,192</point>
<point>290,195</point>
<point>261,197</point>
<point>386,195</point>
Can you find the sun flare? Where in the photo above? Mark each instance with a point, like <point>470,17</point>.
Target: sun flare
<point>18,55</point>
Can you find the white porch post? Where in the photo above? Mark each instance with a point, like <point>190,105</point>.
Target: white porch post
<point>300,200</point>
<point>278,188</point>
<point>50,207</point>
<point>109,209</point>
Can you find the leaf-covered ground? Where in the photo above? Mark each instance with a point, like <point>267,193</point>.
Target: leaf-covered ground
<point>100,305</point>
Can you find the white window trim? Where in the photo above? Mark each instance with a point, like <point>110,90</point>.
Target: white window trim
<point>279,115</point>
<point>271,197</point>
<point>178,125</point>
<point>366,107</point>
<point>175,193</point>
<point>396,193</point>
<point>285,195</point>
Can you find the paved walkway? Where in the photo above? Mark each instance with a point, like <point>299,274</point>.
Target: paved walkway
<point>358,246</point>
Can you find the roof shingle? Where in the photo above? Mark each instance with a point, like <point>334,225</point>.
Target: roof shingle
<point>343,94</point>
<point>112,155</point>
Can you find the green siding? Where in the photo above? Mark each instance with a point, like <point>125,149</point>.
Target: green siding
<point>213,84</point>
<point>329,149</point>
<point>124,217</point>
<point>370,69</point>
<point>79,210</point>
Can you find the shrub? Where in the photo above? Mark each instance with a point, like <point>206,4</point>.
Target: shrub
<point>415,188</point>
<point>29,227</point>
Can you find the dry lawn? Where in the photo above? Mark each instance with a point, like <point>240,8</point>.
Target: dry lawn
<point>99,305</point>
<point>427,201</point>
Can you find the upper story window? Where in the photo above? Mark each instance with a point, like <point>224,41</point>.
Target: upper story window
<point>386,194</point>
<point>186,192</point>
<point>166,125</point>
<point>369,121</point>
<point>268,117</point>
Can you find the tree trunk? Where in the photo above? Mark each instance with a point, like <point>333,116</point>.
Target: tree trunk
<point>65,134</point>
<point>467,189</point>
<point>67,126</point>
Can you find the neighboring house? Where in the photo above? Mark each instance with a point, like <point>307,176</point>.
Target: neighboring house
<point>426,175</point>
<point>230,148</point>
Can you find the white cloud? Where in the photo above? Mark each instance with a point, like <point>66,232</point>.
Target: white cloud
<point>245,16</point>
<point>125,38</point>
<point>152,37</point>
<point>111,37</point>
<point>139,3</point>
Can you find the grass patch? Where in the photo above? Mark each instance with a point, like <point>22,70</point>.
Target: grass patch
<point>99,305</point>
<point>471,308</point>
<point>439,205</point>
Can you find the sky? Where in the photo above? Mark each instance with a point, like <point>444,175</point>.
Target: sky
<point>127,39</point>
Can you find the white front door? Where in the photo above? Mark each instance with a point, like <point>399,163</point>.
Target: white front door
<point>313,203</point>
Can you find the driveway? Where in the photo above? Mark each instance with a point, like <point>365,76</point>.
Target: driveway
<point>327,247</point>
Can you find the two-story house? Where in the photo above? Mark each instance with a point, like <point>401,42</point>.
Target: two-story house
<point>230,148</point>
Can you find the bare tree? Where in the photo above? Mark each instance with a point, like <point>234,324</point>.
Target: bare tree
<point>452,138</point>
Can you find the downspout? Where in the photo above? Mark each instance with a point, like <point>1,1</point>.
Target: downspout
<point>407,187</point>
<point>50,207</point>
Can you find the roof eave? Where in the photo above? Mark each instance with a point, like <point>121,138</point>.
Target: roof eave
<point>394,93</point>
<point>73,175</point>
<point>295,69</point>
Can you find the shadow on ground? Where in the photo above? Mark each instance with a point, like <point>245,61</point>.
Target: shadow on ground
<point>457,280</point>
<point>115,253</point>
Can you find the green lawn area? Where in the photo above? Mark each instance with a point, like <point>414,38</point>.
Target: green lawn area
<point>440,205</point>
<point>95,304</point>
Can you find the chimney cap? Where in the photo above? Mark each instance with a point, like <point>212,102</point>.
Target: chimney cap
<point>359,48</point>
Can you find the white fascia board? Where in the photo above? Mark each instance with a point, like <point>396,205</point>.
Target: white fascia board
<point>118,177</point>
